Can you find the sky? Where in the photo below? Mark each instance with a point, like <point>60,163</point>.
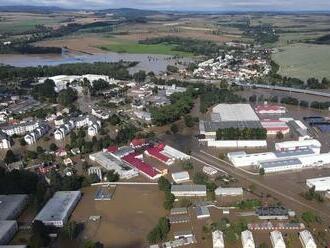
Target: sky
<point>196,5</point>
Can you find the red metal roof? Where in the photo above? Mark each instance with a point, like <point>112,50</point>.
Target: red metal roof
<point>267,107</point>
<point>112,149</point>
<point>138,142</point>
<point>155,152</point>
<point>141,165</point>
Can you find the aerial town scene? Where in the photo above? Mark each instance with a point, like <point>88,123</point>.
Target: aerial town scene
<point>165,123</point>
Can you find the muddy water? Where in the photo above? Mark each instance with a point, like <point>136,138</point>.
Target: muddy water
<point>147,62</point>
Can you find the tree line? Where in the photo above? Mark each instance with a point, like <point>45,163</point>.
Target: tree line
<point>241,134</point>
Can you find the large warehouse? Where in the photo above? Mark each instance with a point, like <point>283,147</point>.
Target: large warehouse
<point>313,144</point>
<point>11,206</point>
<point>229,115</point>
<point>8,229</point>
<point>320,184</point>
<point>59,208</point>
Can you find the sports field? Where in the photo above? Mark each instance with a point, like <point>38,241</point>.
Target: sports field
<point>304,60</point>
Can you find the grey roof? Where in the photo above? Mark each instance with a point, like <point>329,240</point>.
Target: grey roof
<point>272,211</point>
<point>201,211</point>
<point>190,187</point>
<point>122,151</point>
<point>179,211</point>
<point>212,126</point>
<point>178,219</point>
<point>279,162</point>
<point>293,153</point>
<point>10,204</point>
<point>5,227</point>
<point>58,206</point>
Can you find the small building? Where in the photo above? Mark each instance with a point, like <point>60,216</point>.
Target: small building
<point>11,206</point>
<point>176,211</point>
<point>8,229</point>
<point>138,143</point>
<point>58,209</point>
<point>183,234</point>
<point>272,213</point>
<point>202,212</point>
<point>275,126</point>
<point>267,109</point>
<point>320,184</point>
<point>247,239</point>
<point>306,239</point>
<point>193,190</point>
<point>180,177</point>
<point>277,239</point>
<point>210,171</point>
<point>220,191</point>
<point>217,238</point>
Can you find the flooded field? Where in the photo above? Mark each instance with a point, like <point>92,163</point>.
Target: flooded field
<point>147,62</point>
<point>126,220</point>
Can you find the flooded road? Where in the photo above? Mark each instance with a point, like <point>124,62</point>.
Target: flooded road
<point>147,62</point>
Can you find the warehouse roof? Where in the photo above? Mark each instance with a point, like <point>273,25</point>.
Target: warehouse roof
<point>9,205</point>
<point>236,112</point>
<point>272,211</point>
<point>5,227</point>
<point>58,206</point>
<point>212,126</point>
<point>180,176</point>
<point>186,187</point>
<point>139,164</point>
<point>280,162</point>
<point>229,191</point>
<point>293,153</point>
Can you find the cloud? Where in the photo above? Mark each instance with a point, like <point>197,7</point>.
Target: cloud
<point>182,4</point>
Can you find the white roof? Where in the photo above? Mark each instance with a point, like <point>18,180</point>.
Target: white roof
<point>321,183</point>
<point>247,239</point>
<point>228,191</point>
<point>293,144</point>
<point>277,239</point>
<point>307,239</point>
<point>235,112</point>
<point>180,176</point>
<point>217,237</point>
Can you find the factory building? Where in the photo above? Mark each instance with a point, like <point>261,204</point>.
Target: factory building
<point>267,109</point>
<point>277,239</point>
<point>307,239</point>
<point>8,229</point>
<point>11,206</point>
<point>189,190</point>
<point>166,154</point>
<point>217,238</point>
<point>220,191</point>
<point>320,184</point>
<point>313,144</point>
<point>180,177</point>
<point>58,209</point>
<point>274,127</point>
<point>247,239</point>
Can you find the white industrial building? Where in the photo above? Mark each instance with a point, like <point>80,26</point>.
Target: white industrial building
<point>236,144</point>
<point>8,229</point>
<point>110,161</point>
<point>11,206</point>
<point>321,183</point>
<point>247,239</point>
<point>180,177</point>
<point>174,153</point>
<point>193,190</point>
<point>4,141</point>
<point>58,209</point>
<point>306,239</point>
<point>277,239</point>
<point>220,191</point>
<point>313,144</point>
<point>217,238</point>
<point>235,112</point>
<point>36,134</point>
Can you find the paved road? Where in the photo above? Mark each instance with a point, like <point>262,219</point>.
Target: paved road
<point>252,179</point>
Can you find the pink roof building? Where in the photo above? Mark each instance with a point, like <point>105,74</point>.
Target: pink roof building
<point>270,109</point>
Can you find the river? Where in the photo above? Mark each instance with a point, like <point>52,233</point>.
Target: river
<point>147,62</point>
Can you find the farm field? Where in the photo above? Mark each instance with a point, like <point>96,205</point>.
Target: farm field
<point>303,61</point>
<point>126,220</point>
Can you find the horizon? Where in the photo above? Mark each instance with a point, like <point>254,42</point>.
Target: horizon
<point>176,5</point>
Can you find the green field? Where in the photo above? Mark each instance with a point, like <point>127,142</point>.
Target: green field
<point>304,61</point>
<point>133,47</point>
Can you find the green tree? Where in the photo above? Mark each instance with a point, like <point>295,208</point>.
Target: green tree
<point>112,176</point>
<point>53,147</point>
<point>189,121</point>
<point>261,171</point>
<point>67,97</point>
<point>279,135</point>
<point>39,236</point>
<point>164,184</point>
<point>174,128</point>
<point>10,157</point>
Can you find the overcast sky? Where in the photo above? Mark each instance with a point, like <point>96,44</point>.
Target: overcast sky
<point>216,5</point>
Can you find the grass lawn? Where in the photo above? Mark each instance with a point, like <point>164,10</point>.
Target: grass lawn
<point>133,47</point>
<point>304,61</point>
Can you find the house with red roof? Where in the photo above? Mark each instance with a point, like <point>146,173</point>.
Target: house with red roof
<point>138,143</point>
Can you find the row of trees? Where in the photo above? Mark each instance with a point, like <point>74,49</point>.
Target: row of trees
<point>241,134</point>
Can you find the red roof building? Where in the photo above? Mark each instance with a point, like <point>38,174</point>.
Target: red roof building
<point>146,169</point>
<point>270,109</point>
<point>275,126</point>
<point>156,152</point>
<point>137,143</point>
<point>112,149</point>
